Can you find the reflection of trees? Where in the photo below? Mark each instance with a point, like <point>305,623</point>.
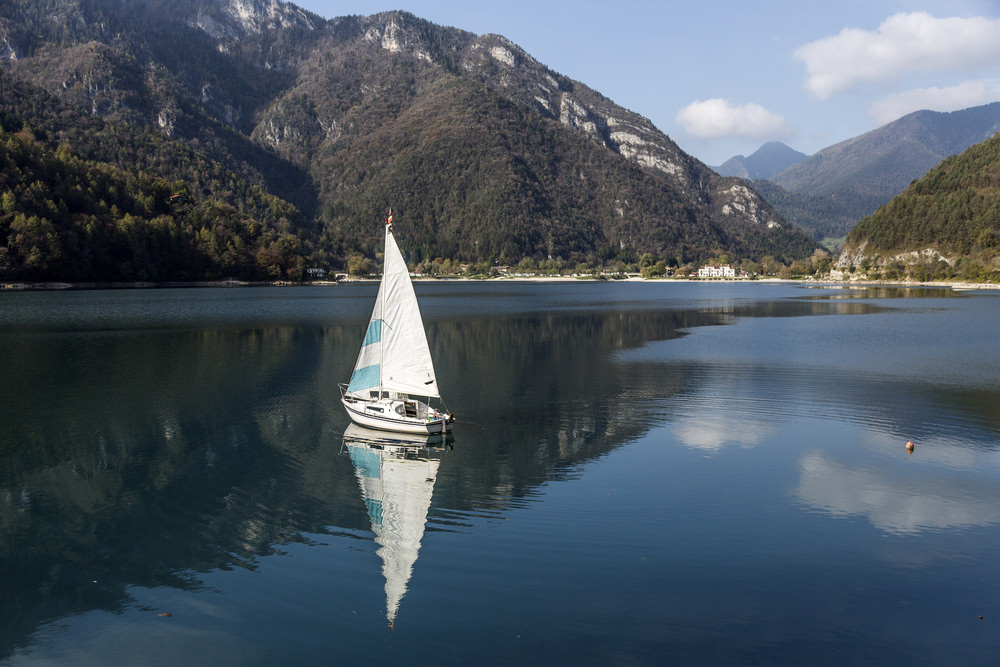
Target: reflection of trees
<point>143,458</point>
<point>887,292</point>
<point>135,459</point>
<point>539,393</point>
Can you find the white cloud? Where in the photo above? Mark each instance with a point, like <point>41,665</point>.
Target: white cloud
<point>953,98</point>
<point>903,43</point>
<point>717,118</point>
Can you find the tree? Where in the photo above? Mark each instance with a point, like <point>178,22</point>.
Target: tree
<point>359,265</point>
<point>657,270</point>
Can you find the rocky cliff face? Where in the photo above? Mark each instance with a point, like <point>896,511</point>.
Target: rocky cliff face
<point>508,69</point>
<point>491,59</point>
<point>499,62</point>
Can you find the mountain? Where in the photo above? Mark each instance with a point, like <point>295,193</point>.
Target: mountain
<point>769,160</point>
<point>833,189</point>
<point>485,155</point>
<point>825,218</point>
<point>945,225</point>
<point>72,218</point>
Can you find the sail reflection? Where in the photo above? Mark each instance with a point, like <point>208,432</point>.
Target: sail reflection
<point>396,473</point>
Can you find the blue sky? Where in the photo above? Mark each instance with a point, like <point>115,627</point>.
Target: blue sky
<point>721,78</point>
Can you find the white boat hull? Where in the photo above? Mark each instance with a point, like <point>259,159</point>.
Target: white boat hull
<point>385,422</point>
<point>393,441</point>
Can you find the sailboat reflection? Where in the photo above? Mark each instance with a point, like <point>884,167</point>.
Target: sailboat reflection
<point>396,472</point>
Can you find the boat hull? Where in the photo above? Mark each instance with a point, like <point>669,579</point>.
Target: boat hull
<point>394,440</point>
<point>355,409</point>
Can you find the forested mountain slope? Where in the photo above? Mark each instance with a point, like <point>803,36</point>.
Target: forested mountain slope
<point>945,225</point>
<point>486,155</point>
<point>163,213</point>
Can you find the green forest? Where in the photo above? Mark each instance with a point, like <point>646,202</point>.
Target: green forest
<point>954,212</point>
<point>70,219</point>
<point>83,199</point>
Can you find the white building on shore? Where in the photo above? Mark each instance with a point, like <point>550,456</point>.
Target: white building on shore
<point>717,271</point>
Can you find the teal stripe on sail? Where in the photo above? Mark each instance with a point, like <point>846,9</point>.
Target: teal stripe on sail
<point>364,378</point>
<point>374,333</point>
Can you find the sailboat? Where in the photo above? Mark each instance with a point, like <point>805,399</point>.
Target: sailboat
<point>394,369</point>
<point>397,478</point>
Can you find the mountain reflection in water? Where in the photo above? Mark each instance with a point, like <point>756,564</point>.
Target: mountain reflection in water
<point>163,444</point>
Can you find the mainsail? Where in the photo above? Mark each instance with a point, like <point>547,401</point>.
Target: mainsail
<point>394,355</point>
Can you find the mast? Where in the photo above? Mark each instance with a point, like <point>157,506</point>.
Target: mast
<point>381,292</point>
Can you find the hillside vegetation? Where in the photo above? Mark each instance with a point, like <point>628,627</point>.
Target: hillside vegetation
<point>291,136</point>
<point>946,225</point>
<point>67,216</point>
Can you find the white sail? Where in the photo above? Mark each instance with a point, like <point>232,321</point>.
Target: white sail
<point>394,355</point>
<point>397,489</point>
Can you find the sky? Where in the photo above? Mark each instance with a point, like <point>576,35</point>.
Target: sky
<point>723,77</point>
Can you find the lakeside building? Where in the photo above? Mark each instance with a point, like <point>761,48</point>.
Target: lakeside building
<point>717,271</point>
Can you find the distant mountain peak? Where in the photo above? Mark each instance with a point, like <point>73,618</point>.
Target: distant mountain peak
<point>829,192</point>
<point>770,159</point>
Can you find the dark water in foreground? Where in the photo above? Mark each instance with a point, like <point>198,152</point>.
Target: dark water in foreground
<point>641,474</point>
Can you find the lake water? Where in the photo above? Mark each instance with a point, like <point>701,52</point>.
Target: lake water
<point>641,474</point>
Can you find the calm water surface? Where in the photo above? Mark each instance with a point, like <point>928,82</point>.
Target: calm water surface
<point>642,474</point>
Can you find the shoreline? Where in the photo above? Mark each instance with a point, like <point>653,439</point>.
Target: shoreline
<point>87,286</point>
